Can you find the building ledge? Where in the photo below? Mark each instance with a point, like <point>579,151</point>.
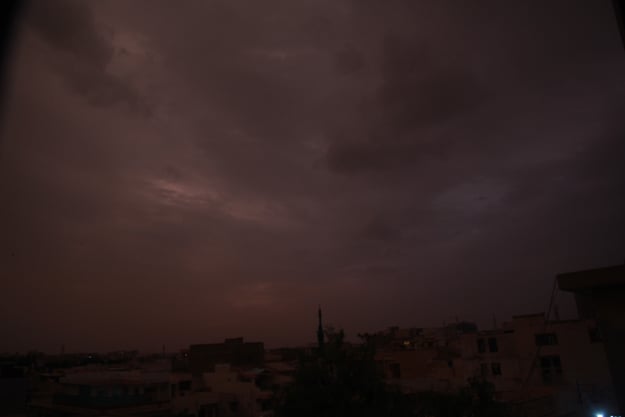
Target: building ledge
<point>608,277</point>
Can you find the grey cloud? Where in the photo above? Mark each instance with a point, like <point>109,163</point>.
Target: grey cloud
<point>367,156</point>
<point>349,60</point>
<point>417,92</point>
<point>69,25</point>
<point>83,53</point>
<point>379,228</point>
<point>465,173</point>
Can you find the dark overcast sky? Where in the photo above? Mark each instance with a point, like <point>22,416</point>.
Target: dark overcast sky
<point>180,172</point>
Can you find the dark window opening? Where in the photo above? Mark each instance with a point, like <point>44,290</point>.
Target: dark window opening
<point>395,371</point>
<point>595,335</point>
<point>481,346</point>
<point>551,369</point>
<point>495,368</point>
<point>492,344</point>
<point>546,339</point>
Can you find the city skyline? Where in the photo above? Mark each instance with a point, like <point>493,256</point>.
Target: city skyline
<point>179,174</point>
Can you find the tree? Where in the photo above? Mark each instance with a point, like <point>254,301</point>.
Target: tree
<point>341,381</point>
<point>477,399</point>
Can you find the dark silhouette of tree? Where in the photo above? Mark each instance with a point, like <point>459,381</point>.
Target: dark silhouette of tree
<point>343,381</point>
<point>475,400</point>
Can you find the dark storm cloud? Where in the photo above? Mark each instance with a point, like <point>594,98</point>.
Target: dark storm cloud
<point>379,228</point>
<point>417,91</point>
<point>84,53</point>
<point>69,25</point>
<point>383,159</point>
<point>349,60</point>
<point>423,83</point>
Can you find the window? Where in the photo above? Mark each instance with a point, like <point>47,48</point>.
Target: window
<point>481,346</point>
<point>551,369</point>
<point>546,339</point>
<point>495,368</point>
<point>395,371</point>
<point>492,344</point>
<point>594,334</point>
<point>484,369</point>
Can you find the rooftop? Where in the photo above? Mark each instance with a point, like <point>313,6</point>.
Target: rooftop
<point>116,378</point>
<point>607,277</point>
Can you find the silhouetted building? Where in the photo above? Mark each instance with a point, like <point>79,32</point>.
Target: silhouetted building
<point>556,366</point>
<point>14,388</point>
<point>236,352</point>
<point>600,295</point>
<point>99,393</point>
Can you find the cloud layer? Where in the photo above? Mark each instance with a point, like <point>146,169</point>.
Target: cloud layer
<point>183,173</point>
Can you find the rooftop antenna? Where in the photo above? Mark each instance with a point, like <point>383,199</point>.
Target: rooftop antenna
<point>320,335</point>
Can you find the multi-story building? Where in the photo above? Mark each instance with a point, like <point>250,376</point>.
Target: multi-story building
<point>186,401</point>
<point>105,392</point>
<point>525,358</point>
<point>599,295</point>
<point>236,352</point>
<point>238,391</point>
<point>197,383</point>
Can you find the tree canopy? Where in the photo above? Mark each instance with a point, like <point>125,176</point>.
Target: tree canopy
<point>339,379</point>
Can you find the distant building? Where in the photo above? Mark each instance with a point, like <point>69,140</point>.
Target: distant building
<point>239,392</point>
<point>187,401</point>
<point>203,358</point>
<point>99,393</point>
<point>15,388</point>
